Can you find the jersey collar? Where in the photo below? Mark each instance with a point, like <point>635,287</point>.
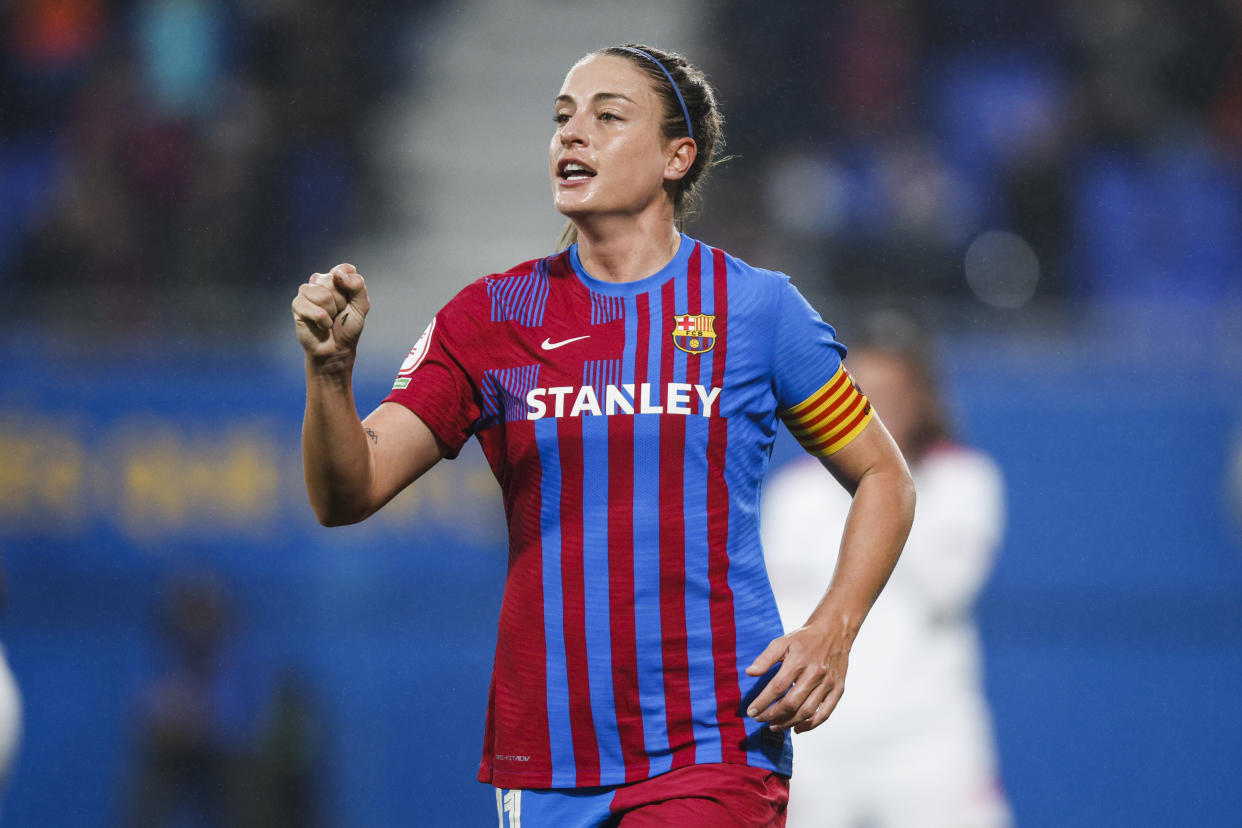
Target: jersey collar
<point>649,283</point>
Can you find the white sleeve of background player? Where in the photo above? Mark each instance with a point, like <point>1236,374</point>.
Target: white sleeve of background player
<point>958,527</point>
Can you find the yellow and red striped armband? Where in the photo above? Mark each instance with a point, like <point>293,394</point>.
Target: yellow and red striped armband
<point>828,420</point>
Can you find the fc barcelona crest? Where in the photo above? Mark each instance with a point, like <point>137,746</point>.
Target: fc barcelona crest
<point>692,332</point>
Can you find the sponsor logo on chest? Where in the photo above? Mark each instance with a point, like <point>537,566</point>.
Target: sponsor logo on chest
<point>628,398</point>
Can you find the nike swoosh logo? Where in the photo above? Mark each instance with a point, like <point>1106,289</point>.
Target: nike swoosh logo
<point>549,345</point>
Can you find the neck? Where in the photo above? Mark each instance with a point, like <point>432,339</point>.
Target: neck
<point>627,249</point>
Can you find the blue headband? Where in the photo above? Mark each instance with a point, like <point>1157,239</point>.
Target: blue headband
<point>685,113</point>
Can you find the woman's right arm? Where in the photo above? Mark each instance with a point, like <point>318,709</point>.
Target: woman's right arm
<point>352,467</point>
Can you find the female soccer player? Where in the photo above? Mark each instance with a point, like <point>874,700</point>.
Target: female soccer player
<point>626,392</point>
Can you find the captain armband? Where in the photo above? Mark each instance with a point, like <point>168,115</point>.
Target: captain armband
<point>829,419</point>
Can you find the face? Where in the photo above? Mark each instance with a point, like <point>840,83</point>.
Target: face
<point>892,389</point>
<point>607,156</point>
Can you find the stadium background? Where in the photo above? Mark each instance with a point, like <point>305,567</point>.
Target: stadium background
<point>1054,187</point>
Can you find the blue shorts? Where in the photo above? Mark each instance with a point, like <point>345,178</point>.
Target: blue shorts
<point>699,796</point>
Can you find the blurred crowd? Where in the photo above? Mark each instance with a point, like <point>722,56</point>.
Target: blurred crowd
<point>1004,152</point>
<point>165,163</point>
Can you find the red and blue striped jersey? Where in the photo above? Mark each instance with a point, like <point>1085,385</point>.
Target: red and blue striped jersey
<point>630,426</point>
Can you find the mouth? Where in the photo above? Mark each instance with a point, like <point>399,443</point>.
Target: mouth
<point>569,171</point>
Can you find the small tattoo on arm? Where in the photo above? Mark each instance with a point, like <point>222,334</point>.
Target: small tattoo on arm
<point>374,437</point>
<point>344,317</point>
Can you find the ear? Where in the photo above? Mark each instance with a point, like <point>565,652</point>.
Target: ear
<point>682,152</point>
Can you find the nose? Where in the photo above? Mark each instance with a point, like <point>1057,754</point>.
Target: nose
<point>573,131</point>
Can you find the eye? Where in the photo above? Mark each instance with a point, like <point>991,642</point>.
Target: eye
<point>609,116</point>
<point>560,118</point>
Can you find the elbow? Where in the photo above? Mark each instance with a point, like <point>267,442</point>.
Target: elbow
<point>907,496</point>
<point>331,520</point>
<point>898,486</point>
<point>339,504</point>
<point>906,490</point>
<point>337,514</point>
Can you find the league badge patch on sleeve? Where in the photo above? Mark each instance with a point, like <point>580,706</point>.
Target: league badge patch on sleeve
<point>415,357</point>
<point>693,333</point>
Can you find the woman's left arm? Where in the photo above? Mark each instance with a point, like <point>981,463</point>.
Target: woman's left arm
<point>814,657</point>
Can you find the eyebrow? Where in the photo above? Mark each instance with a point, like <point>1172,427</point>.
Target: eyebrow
<point>597,97</point>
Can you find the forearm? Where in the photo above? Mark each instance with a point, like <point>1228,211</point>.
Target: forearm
<point>875,532</point>
<point>336,455</point>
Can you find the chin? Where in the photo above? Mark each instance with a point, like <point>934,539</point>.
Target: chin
<point>571,208</point>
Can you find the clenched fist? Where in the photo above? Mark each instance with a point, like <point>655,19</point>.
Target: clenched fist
<point>328,313</point>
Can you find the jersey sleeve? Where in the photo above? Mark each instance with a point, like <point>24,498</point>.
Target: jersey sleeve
<point>817,398</point>
<point>435,381</point>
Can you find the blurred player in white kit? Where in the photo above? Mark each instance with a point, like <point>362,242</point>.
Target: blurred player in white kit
<point>910,745</point>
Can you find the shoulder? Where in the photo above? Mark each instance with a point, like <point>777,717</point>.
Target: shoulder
<point>519,285</point>
<point>542,267</point>
<point>755,290</point>
<point>520,274</point>
<point>745,272</point>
